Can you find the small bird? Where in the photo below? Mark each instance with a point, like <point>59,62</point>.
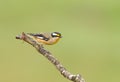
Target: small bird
<point>46,38</point>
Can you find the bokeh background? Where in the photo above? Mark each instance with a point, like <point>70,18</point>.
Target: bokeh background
<point>90,45</point>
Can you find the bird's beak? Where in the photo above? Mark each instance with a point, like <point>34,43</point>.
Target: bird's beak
<point>60,36</point>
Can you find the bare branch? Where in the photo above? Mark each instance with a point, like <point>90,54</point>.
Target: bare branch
<point>39,47</point>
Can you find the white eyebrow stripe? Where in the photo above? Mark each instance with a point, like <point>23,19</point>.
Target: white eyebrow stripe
<point>55,34</point>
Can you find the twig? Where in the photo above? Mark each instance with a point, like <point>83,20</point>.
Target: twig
<point>29,39</point>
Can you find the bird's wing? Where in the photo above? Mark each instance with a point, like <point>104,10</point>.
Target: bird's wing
<point>40,36</point>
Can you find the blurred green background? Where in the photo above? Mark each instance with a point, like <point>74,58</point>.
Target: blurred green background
<point>90,44</point>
